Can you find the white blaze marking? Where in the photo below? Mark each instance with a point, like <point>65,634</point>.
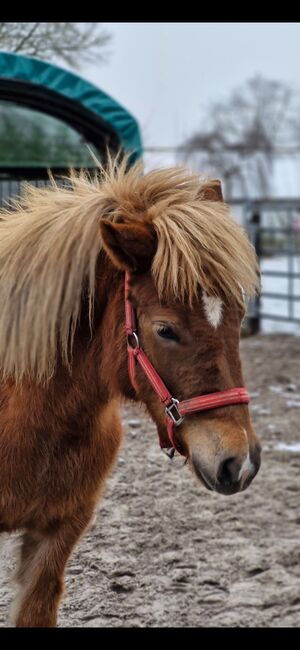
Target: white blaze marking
<point>213,309</point>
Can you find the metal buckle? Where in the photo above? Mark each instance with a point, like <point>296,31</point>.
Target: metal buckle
<point>170,452</point>
<point>168,411</point>
<point>136,340</point>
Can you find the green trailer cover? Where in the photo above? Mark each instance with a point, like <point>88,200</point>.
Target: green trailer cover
<point>34,71</point>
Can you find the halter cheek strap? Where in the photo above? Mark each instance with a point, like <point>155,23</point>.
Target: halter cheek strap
<point>175,411</point>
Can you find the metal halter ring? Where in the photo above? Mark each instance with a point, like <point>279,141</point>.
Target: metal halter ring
<point>136,340</point>
<point>169,452</point>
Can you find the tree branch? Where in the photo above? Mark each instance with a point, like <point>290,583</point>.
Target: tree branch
<point>26,38</point>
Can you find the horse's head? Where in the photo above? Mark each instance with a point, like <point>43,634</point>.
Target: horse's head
<point>194,347</point>
<point>196,352</point>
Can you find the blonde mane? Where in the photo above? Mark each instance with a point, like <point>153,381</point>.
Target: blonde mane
<point>50,242</point>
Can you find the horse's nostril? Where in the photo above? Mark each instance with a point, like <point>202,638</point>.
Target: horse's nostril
<point>228,472</point>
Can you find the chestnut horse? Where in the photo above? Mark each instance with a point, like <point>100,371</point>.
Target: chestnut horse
<point>63,351</point>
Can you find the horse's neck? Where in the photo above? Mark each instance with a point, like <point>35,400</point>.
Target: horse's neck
<point>99,369</point>
<point>102,360</point>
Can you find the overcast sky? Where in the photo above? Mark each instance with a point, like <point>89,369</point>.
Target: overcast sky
<point>166,73</point>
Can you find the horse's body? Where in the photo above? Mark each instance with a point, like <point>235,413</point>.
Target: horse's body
<point>60,430</point>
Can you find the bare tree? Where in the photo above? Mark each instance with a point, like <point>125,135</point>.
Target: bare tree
<point>73,43</point>
<point>244,134</point>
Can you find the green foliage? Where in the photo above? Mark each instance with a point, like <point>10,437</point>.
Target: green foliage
<point>28,138</point>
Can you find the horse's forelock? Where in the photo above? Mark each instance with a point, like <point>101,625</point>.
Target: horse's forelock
<point>50,243</point>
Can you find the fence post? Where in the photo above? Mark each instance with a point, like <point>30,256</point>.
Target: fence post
<point>254,319</point>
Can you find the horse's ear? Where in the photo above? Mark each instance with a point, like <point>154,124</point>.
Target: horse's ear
<point>211,191</point>
<point>131,247</point>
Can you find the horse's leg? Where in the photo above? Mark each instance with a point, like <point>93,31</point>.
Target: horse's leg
<point>40,574</point>
<point>44,553</point>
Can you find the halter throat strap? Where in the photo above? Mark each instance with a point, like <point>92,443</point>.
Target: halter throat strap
<point>174,409</point>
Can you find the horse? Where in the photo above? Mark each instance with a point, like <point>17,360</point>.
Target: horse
<point>64,253</point>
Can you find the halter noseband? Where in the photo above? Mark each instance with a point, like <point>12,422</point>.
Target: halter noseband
<point>175,410</point>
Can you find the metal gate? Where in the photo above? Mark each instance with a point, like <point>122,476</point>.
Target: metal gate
<point>12,181</point>
<point>274,228</point>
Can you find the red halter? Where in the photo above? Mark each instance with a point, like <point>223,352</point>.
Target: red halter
<point>175,410</point>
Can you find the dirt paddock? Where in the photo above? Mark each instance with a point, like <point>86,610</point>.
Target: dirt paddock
<point>163,551</point>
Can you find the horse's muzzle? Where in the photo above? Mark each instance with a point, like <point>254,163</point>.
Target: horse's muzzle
<point>230,474</point>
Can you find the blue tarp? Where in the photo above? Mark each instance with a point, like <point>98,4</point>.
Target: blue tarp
<point>34,71</point>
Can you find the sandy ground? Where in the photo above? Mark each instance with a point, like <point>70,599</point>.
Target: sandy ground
<point>163,551</point>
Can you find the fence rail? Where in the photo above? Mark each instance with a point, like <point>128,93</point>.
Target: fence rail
<point>274,228</point>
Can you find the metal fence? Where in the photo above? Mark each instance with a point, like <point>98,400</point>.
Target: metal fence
<point>274,228</point>
<point>11,187</point>
<point>12,180</point>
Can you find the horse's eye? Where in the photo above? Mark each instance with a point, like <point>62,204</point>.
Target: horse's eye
<point>167,333</point>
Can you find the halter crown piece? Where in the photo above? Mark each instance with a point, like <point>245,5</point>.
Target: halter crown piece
<point>175,411</point>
